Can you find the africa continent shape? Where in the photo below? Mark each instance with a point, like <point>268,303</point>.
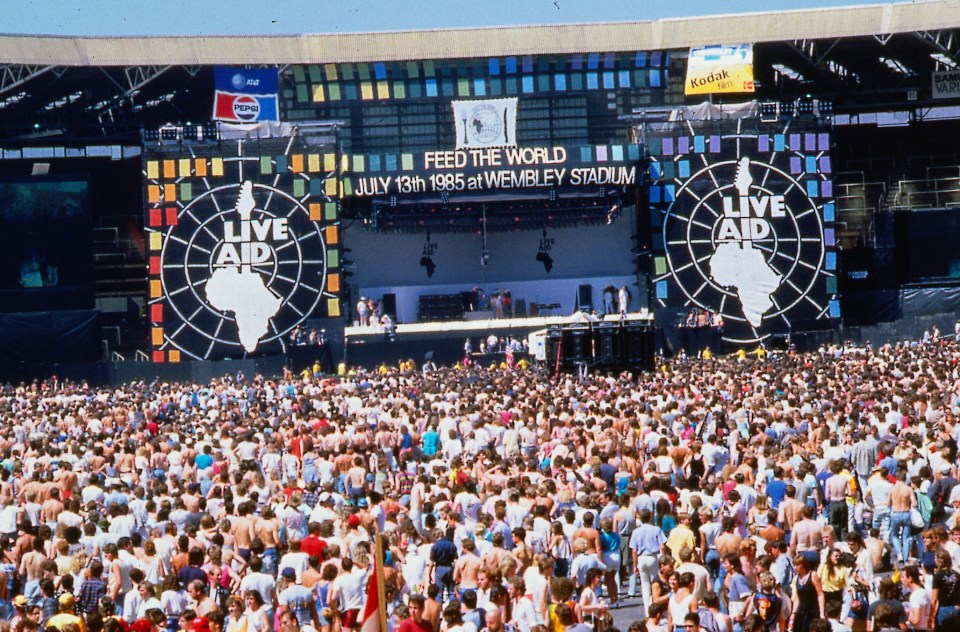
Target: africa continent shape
<point>741,266</point>
<point>244,294</point>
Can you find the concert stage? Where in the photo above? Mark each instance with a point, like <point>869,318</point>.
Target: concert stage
<point>368,347</point>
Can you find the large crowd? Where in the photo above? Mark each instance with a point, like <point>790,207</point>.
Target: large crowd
<point>801,491</point>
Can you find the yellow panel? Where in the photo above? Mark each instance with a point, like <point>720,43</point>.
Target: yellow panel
<point>383,90</point>
<point>153,169</point>
<point>331,71</point>
<point>200,167</point>
<point>156,336</point>
<point>313,163</point>
<point>169,169</point>
<point>330,187</point>
<point>174,355</point>
<point>185,167</point>
<point>156,241</point>
<point>315,214</point>
<point>333,282</point>
<point>366,91</point>
<point>333,308</point>
<point>153,193</point>
<point>318,95</point>
<point>344,163</point>
<point>216,167</point>
<point>297,163</point>
<point>155,289</point>
<point>169,192</point>
<point>329,162</point>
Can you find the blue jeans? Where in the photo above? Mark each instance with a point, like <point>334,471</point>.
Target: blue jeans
<point>901,533</point>
<point>271,558</point>
<point>943,614</point>
<point>881,520</point>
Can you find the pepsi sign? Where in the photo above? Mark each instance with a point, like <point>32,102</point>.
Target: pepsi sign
<point>245,95</point>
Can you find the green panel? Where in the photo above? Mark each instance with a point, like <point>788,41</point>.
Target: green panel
<point>315,75</point>
<point>298,75</point>
<point>330,211</point>
<point>186,191</point>
<point>428,69</point>
<point>333,258</point>
<point>333,91</point>
<point>413,70</point>
<point>347,72</point>
<point>659,265</point>
<point>266,165</point>
<point>302,95</point>
<point>358,164</point>
<point>406,162</point>
<point>364,70</point>
<point>463,87</point>
<point>399,90</point>
<point>299,190</point>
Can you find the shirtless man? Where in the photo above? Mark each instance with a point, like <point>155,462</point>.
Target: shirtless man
<point>901,502</point>
<point>728,542</point>
<point>242,530</point>
<point>31,567</point>
<point>51,508</point>
<point>806,537</point>
<point>588,533</point>
<point>356,478</point>
<point>267,529</point>
<point>836,489</point>
<point>467,567</point>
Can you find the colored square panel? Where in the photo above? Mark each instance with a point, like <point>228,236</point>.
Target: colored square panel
<point>661,289</point>
<point>156,313</point>
<point>428,68</point>
<point>511,64</point>
<point>154,218</point>
<point>334,93</point>
<point>281,162</point>
<point>330,72</point>
<point>616,153</point>
<point>159,357</point>
<point>493,66</point>
<point>296,163</point>
<point>669,169</point>
<point>763,143</point>
<point>810,164</point>
<point>659,265</point>
<point>169,169</point>
<point>366,91</point>
<point>655,195</point>
<point>332,235</point>
<point>373,162</point>
<point>316,186</point>
<point>794,142</point>
<point>608,81</point>
<point>543,83</point>
<point>383,89</point>
<point>329,162</point>
<point>794,164</point>
<point>586,154</point>
<point>313,163</point>
<point>330,211</point>
<point>216,167</point>
<point>593,61</point>
<point>319,94</point>
<point>299,188</point>
<point>446,87</point>
<point>834,309</point>
<point>829,237</point>
<point>670,193</point>
<point>601,153</point>
<point>431,86</point>
<point>825,166</point>
<point>829,212</point>
<point>656,170</point>
<point>170,215</point>
<point>683,145</point>
<point>656,78</point>
<point>779,142</point>
<point>200,167</point>
<point>406,162</point>
<point>303,94</point>
<point>527,83</point>
<point>330,187</point>
<point>359,163</point>
<point>527,63</point>
<point>153,265</point>
<point>699,144</point>
<point>830,261</point>
<point>683,168</point>
<point>333,258</point>
<point>413,70</point>
<point>667,147</point>
<point>655,146</point>
<point>155,240</point>
<point>826,189</point>
<point>169,193</point>
<point>560,82</point>
<point>298,74</point>
<point>184,167</point>
<point>714,146</point>
<point>186,191</point>
<point>153,193</point>
<point>624,78</point>
<point>576,81</point>
<point>314,210</point>
<point>153,169</point>
<point>173,355</point>
<point>463,87</point>
<point>633,152</point>
<point>640,78</point>
<point>813,188</point>
<point>379,70</point>
<point>333,308</point>
<point>346,187</point>
<point>333,283</point>
<point>592,81</point>
<point>363,71</point>
<point>823,142</point>
<point>831,285</point>
<point>640,61</point>
<point>810,142</point>
<point>156,336</point>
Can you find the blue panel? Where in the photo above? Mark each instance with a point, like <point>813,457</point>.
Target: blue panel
<point>641,60</point>
<point>661,289</point>
<point>586,154</point>
<point>527,63</point>
<point>829,212</point>
<point>667,146</point>
<point>560,82</point>
<point>831,261</point>
<point>834,309</point>
<point>608,82</point>
<point>683,145</point>
<point>528,84</point>
<point>281,164</point>
<point>633,152</point>
<point>655,59</point>
<point>810,164</point>
<point>715,143</point>
<point>493,66</point>
<point>511,65</point>
<point>608,60</point>
<point>699,144</point>
<point>825,166</point>
<point>624,78</point>
<point>655,194</point>
<point>683,168</point>
<point>576,62</point>
<point>654,78</point>
<point>373,162</point>
<point>670,193</point>
<point>391,162</point>
<point>813,188</point>
<point>779,142</point>
<point>592,81</point>
<point>617,152</point>
<point>479,87</point>
<point>593,61</point>
<point>379,70</point>
<point>431,87</point>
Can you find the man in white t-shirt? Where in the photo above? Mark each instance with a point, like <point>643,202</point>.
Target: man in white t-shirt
<point>919,614</point>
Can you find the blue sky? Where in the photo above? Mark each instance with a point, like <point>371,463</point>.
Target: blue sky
<point>272,17</point>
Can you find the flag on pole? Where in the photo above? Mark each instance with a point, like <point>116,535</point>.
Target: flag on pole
<point>370,622</point>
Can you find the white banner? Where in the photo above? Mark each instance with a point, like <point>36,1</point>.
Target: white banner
<point>946,85</point>
<point>487,123</point>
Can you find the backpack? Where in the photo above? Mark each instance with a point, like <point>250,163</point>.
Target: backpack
<point>925,507</point>
<point>708,622</point>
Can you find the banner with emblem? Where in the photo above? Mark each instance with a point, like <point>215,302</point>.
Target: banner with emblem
<point>245,95</point>
<point>485,123</point>
<point>719,70</point>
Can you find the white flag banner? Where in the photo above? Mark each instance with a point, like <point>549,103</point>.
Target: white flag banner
<point>487,123</point>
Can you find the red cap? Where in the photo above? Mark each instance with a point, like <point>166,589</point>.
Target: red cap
<point>353,520</point>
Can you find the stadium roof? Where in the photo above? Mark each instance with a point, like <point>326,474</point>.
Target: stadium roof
<point>821,23</point>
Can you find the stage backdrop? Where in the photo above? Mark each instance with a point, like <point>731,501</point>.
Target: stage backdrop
<point>244,245</point>
<point>742,217</point>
